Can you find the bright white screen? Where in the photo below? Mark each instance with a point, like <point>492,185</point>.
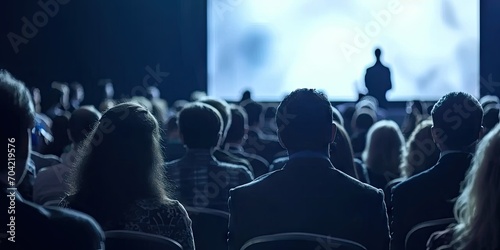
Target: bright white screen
<point>272,47</point>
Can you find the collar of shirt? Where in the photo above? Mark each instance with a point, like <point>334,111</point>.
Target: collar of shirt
<point>309,154</point>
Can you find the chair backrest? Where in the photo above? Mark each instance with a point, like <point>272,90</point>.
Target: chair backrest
<point>419,235</point>
<point>299,241</point>
<point>133,240</point>
<point>210,228</point>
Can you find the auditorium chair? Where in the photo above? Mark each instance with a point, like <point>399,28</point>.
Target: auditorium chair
<point>133,240</point>
<point>300,241</point>
<point>210,228</point>
<point>419,235</point>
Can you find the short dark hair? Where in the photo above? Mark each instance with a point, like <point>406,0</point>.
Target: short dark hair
<point>224,111</point>
<point>82,122</point>
<point>458,127</point>
<point>16,105</point>
<point>304,120</point>
<point>238,125</point>
<point>270,113</point>
<point>254,111</point>
<point>200,125</point>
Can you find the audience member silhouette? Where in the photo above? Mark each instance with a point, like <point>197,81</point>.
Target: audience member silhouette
<point>76,96</point>
<point>477,208</point>
<point>246,97</point>
<point>57,101</point>
<point>259,143</point>
<point>269,125</point>
<point>60,137</point>
<point>378,80</point>
<point>421,152</point>
<point>457,124</point>
<point>173,147</point>
<point>236,136</point>
<point>51,182</point>
<point>107,94</point>
<point>119,178</point>
<point>383,153</point>
<point>35,227</point>
<point>415,113</point>
<point>308,194</point>
<point>225,113</point>
<point>201,180</point>
<point>491,116</point>
<point>362,120</point>
<point>341,154</point>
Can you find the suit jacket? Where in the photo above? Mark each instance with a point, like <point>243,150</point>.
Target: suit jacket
<point>37,227</point>
<point>427,196</point>
<point>308,195</point>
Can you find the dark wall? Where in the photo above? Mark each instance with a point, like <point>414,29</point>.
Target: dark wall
<point>490,47</point>
<point>93,39</point>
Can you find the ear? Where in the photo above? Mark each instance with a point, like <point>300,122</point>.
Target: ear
<point>334,132</point>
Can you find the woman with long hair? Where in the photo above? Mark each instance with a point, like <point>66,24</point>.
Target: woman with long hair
<point>119,178</point>
<point>421,151</point>
<point>383,153</point>
<point>477,209</point>
<point>341,154</point>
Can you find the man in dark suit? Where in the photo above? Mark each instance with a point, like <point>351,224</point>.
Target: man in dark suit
<point>26,225</point>
<point>457,119</point>
<point>308,195</point>
<point>378,80</point>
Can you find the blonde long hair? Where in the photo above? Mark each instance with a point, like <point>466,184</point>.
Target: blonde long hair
<point>477,209</point>
<point>384,148</point>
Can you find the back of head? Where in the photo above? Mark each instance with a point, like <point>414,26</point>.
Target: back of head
<point>270,113</point>
<point>200,126</point>
<point>120,162</point>
<point>224,111</point>
<point>304,120</point>
<point>254,112</point>
<point>363,119</point>
<point>239,125</point>
<point>489,99</point>
<point>477,209</point>
<point>421,152</point>
<point>384,147</point>
<point>341,153</point>
<point>16,106</point>
<point>82,122</point>
<point>378,52</point>
<point>457,119</point>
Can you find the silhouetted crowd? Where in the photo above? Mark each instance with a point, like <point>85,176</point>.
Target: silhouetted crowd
<point>208,174</point>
